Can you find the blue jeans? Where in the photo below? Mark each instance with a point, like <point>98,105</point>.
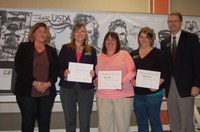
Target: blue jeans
<point>70,98</point>
<point>35,108</point>
<point>148,108</point>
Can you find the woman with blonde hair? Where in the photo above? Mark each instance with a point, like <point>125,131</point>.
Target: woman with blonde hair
<point>73,93</point>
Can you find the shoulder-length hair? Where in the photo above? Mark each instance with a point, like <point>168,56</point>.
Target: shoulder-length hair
<point>115,36</point>
<point>150,34</point>
<point>34,28</point>
<point>85,44</point>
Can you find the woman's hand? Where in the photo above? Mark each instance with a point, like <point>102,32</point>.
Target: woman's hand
<point>34,84</point>
<point>153,89</point>
<point>66,72</point>
<point>95,82</point>
<point>195,91</point>
<point>92,73</point>
<point>133,82</point>
<point>41,86</point>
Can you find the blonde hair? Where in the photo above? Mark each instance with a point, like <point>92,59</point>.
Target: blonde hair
<point>34,28</point>
<point>85,44</point>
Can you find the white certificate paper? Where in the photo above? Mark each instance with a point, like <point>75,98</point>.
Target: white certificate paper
<point>109,79</point>
<point>79,72</point>
<point>5,79</point>
<point>147,79</point>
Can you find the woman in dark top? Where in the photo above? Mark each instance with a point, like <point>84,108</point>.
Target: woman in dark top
<point>73,93</point>
<point>36,66</point>
<point>147,101</point>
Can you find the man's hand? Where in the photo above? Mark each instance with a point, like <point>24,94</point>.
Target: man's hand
<point>194,91</point>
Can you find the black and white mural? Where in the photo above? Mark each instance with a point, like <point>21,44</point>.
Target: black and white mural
<point>15,25</point>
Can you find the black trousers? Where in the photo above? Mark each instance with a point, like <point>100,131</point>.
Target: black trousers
<point>35,108</point>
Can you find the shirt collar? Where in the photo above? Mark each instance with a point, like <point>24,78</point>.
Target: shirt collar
<point>177,36</point>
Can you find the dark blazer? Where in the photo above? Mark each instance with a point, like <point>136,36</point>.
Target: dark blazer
<point>24,69</point>
<point>185,68</point>
<point>67,55</point>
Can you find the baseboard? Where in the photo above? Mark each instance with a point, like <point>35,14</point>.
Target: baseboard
<point>133,129</point>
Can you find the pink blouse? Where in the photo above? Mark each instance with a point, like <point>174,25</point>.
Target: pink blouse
<point>120,61</point>
<point>78,55</point>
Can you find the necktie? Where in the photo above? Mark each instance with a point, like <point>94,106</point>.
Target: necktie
<point>174,48</point>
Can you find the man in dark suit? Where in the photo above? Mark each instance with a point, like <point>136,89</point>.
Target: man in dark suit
<point>183,81</point>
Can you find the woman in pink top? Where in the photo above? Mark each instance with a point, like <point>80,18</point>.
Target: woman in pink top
<point>115,106</point>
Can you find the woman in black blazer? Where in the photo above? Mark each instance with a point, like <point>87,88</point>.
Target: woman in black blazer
<point>73,93</point>
<point>36,66</point>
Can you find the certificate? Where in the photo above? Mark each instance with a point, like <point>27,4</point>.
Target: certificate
<point>109,79</point>
<point>79,72</point>
<point>147,79</point>
<point>5,78</point>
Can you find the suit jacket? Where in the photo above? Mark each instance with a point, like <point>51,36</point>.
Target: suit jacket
<point>24,69</point>
<point>67,55</point>
<point>185,68</point>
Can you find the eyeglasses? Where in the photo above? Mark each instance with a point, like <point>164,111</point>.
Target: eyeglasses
<point>173,21</point>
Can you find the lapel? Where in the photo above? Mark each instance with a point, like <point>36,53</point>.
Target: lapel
<point>74,55</point>
<point>181,39</point>
<point>48,53</point>
<point>181,43</point>
<point>168,45</point>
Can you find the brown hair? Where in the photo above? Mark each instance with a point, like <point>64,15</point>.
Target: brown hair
<point>34,28</point>
<point>150,34</point>
<point>85,44</point>
<point>114,36</point>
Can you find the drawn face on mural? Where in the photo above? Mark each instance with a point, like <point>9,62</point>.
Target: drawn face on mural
<point>191,26</point>
<point>122,33</point>
<point>53,37</point>
<point>119,26</point>
<point>163,34</point>
<point>91,27</point>
<point>198,33</point>
<point>90,31</point>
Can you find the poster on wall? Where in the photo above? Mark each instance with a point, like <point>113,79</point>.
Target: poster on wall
<point>7,77</point>
<point>15,25</point>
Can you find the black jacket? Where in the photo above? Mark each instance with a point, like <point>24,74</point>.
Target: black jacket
<point>67,55</point>
<point>24,69</point>
<point>185,68</point>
